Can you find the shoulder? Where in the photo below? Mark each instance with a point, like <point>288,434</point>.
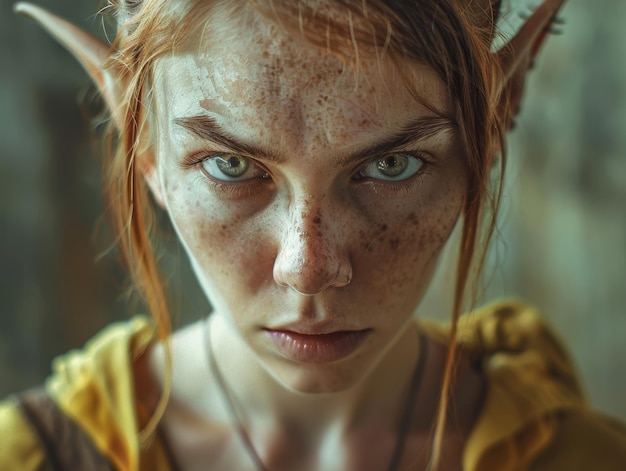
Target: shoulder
<point>515,348</point>
<point>93,389</point>
<point>101,371</point>
<point>534,409</point>
<point>54,440</point>
<point>583,440</point>
<point>96,388</point>
<point>19,448</point>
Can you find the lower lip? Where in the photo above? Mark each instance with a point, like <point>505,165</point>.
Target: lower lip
<point>321,348</point>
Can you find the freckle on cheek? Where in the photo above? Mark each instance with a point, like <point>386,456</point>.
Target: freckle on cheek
<point>224,231</point>
<point>421,243</point>
<point>394,243</point>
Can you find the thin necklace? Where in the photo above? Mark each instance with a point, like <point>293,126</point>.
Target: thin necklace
<point>403,427</point>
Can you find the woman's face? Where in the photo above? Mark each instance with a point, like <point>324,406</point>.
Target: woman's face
<point>313,197</point>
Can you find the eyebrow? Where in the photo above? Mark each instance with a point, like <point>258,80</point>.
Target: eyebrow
<point>207,128</point>
<point>417,130</point>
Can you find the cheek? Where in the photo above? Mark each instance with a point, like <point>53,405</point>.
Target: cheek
<point>399,254</point>
<point>222,238</point>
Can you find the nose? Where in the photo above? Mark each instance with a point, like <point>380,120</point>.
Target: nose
<point>312,256</point>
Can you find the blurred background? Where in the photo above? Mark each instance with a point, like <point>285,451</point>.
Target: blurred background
<point>562,234</point>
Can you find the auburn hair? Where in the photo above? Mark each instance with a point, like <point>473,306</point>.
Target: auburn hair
<point>453,37</point>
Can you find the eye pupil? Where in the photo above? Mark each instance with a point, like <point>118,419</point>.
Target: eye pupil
<point>393,165</point>
<point>232,166</point>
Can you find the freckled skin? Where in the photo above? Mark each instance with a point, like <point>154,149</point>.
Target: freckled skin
<point>310,243</point>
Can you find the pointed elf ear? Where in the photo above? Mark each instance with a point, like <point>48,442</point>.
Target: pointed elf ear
<point>518,56</point>
<point>93,55</point>
<point>89,51</point>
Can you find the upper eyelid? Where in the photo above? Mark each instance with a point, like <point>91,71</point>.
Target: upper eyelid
<point>253,163</point>
<point>423,164</point>
<point>198,157</point>
<point>413,153</point>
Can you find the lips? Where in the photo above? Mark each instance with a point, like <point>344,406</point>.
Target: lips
<point>314,347</point>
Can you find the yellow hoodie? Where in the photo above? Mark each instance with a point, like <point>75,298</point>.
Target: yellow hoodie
<point>534,416</point>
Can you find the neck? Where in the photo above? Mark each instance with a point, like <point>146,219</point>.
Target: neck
<point>290,425</point>
<point>266,404</point>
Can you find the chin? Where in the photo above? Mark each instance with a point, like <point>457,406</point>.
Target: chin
<point>316,384</point>
<point>319,378</point>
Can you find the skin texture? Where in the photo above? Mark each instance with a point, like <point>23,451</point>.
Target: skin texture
<point>304,245</point>
<point>306,242</point>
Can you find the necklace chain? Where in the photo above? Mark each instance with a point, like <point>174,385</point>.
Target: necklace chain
<point>403,427</point>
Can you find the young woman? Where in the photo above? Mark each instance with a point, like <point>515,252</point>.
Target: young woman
<point>313,157</point>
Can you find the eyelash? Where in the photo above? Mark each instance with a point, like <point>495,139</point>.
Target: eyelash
<point>413,155</point>
<point>224,189</point>
<point>398,188</point>
<point>251,187</point>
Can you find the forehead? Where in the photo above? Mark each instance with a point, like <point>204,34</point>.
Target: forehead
<point>245,72</point>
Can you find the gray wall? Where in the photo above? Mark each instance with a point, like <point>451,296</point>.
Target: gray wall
<point>562,235</point>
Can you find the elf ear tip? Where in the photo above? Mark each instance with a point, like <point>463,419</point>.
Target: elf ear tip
<point>25,9</point>
<point>553,27</point>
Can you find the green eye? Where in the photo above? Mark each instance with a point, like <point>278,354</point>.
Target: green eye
<point>391,167</point>
<point>231,168</point>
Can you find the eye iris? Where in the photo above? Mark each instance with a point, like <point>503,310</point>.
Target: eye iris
<point>232,166</point>
<point>393,165</point>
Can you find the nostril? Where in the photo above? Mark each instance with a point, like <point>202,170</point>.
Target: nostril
<point>344,275</point>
